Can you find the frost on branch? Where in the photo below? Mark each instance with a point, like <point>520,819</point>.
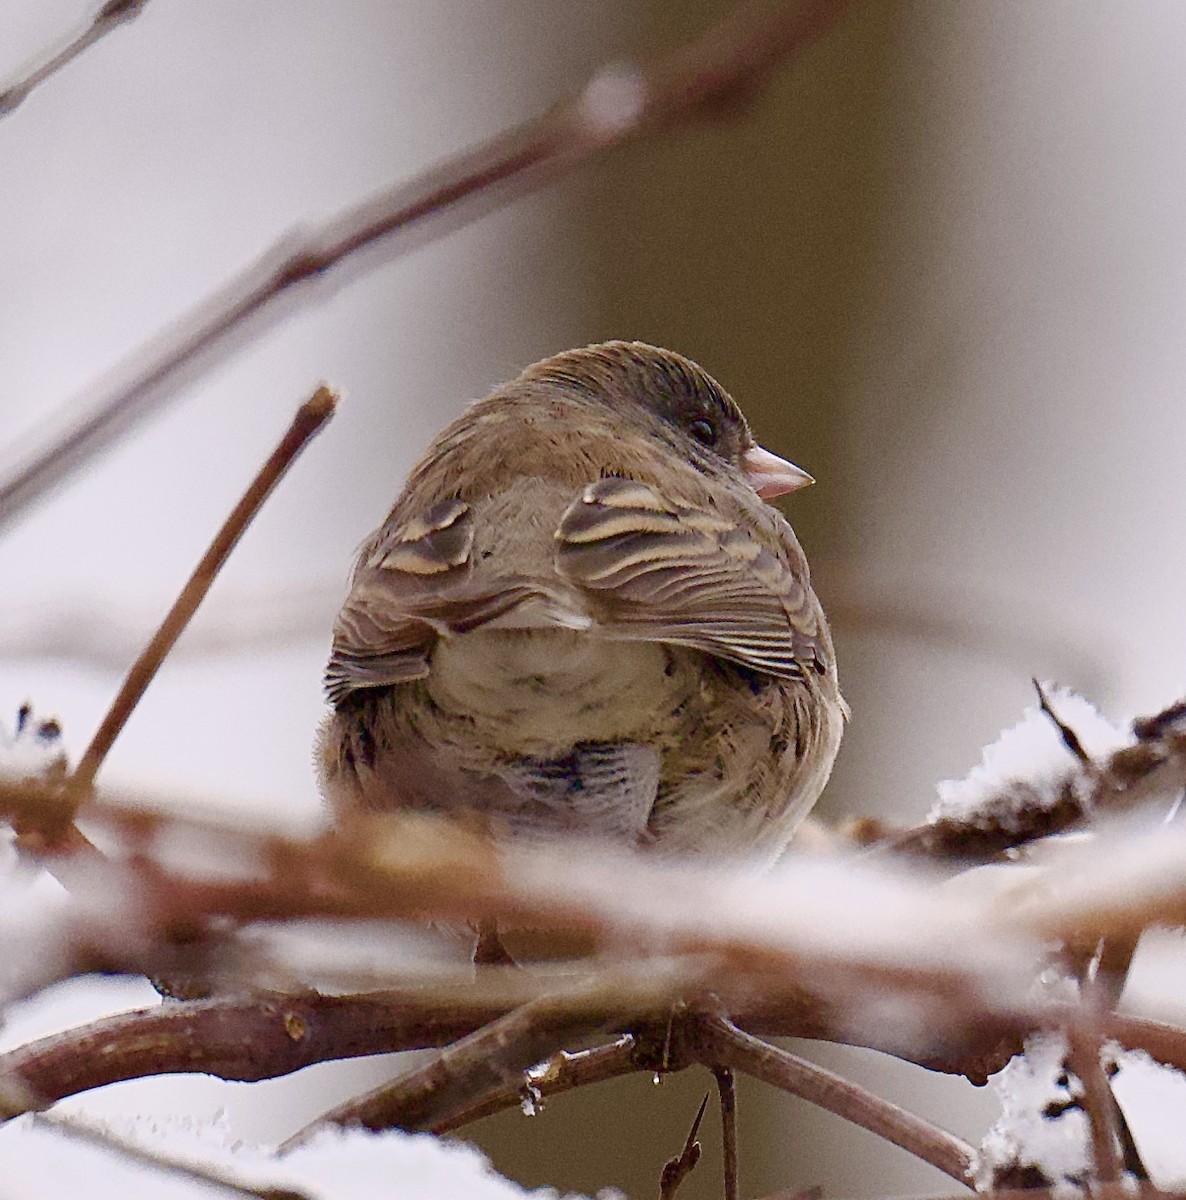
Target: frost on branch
<point>1042,1135</point>
<point>31,907</point>
<point>33,750</point>
<point>1153,1098</point>
<point>1027,765</point>
<point>1020,792</point>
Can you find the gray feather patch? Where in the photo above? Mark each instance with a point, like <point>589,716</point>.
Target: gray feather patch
<point>600,790</point>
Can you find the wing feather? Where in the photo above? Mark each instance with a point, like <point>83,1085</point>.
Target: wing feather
<point>637,565</point>
<point>674,573</point>
<point>415,585</point>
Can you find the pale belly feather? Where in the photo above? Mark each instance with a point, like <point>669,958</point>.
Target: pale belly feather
<point>538,692</point>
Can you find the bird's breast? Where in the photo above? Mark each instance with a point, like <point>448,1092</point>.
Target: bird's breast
<point>536,692</point>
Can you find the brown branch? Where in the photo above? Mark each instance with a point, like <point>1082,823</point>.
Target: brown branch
<point>243,1039</point>
<point>730,62</point>
<point>731,1047</point>
<point>1105,983</point>
<point>407,869</point>
<point>406,866</point>
<point>563,1072</point>
<point>727,1090</point>
<point>677,1169</point>
<point>474,1067</point>
<point>401,867</point>
<point>110,16</point>
<point>1165,1043</point>
<point>262,1037</point>
<point>1084,1047</point>
<point>1113,960</point>
<point>309,420</point>
<point>396,867</point>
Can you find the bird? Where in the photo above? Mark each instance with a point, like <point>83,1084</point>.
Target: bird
<point>582,619</point>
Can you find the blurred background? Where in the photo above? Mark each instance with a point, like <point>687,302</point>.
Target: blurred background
<point>940,264</point>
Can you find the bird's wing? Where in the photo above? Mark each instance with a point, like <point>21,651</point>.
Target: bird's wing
<point>668,572</point>
<point>416,584</point>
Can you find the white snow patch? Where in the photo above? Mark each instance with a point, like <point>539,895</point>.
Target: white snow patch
<point>336,1165</point>
<point>1153,1098</point>
<point>35,927</point>
<point>1030,753</point>
<point>1156,985</point>
<point>33,749</point>
<point>1024,1135</point>
<point>1028,1133</point>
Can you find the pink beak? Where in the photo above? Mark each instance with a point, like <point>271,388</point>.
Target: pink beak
<point>772,476</point>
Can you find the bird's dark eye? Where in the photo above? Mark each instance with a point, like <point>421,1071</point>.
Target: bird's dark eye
<point>703,431</point>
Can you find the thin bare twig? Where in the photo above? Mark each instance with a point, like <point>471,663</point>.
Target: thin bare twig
<point>561,1073</point>
<point>1069,737</point>
<point>1102,981</point>
<point>1084,1047</point>
<point>309,420</point>
<point>1112,962</point>
<point>731,1047</point>
<point>728,63</point>
<point>110,16</point>
<point>727,1090</point>
<point>677,1169</point>
<point>475,1067</point>
<point>105,1139</point>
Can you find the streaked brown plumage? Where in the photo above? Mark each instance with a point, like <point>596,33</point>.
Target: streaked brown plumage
<point>581,618</point>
